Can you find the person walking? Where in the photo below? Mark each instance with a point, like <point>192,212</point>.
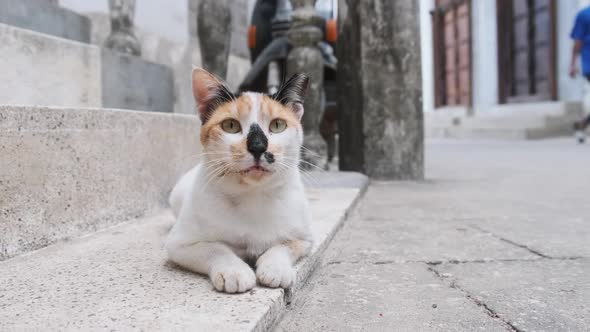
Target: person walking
<point>581,37</point>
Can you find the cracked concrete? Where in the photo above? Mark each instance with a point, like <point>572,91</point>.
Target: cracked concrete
<point>494,239</point>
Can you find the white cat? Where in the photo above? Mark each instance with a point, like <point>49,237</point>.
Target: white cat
<point>244,202</point>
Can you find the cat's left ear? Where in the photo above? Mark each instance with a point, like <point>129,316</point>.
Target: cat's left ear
<point>292,93</point>
<point>209,92</point>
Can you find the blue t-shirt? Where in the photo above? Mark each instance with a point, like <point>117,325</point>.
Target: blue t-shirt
<point>581,31</point>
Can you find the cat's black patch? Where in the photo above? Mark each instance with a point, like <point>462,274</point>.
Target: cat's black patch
<point>293,90</point>
<point>269,157</point>
<point>256,141</point>
<point>219,96</point>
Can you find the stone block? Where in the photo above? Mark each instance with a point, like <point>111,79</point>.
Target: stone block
<point>45,17</point>
<point>38,69</point>
<point>69,172</point>
<point>132,83</point>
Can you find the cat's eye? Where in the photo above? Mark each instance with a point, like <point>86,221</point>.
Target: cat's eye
<point>231,126</point>
<point>278,126</point>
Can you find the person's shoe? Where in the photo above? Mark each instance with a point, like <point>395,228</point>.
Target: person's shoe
<point>580,136</point>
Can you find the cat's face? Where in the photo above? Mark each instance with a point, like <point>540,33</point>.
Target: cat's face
<point>251,138</point>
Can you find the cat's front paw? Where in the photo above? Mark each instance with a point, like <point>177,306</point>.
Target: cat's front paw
<point>275,274</point>
<point>235,278</point>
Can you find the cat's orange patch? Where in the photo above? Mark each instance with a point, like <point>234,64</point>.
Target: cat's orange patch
<point>211,130</point>
<point>298,248</point>
<point>275,149</point>
<point>272,109</point>
<point>238,150</point>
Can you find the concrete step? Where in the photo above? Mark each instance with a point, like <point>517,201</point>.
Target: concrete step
<point>46,17</point>
<point>511,122</point>
<point>545,107</point>
<point>446,116</point>
<point>118,279</point>
<point>69,172</point>
<point>484,133</point>
<point>39,69</point>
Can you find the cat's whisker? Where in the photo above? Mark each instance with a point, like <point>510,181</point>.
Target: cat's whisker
<point>308,163</point>
<point>311,178</point>
<point>215,174</point>
<point>304,149</point>
<point>216,162</point>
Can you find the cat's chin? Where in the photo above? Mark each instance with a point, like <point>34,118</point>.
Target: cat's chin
<point>255,173</point>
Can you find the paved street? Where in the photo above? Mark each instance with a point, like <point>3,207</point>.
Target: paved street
<point>497,238</point>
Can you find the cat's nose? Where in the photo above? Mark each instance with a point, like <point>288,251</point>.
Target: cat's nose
<point>256,141</point>
<point>257,150</point>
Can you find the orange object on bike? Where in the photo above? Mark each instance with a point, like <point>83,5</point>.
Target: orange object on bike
<point>251,36</point>
<point>331,31</point>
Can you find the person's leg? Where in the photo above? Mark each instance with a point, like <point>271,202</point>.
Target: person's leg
<point>586,104</point>
<point>585,122</point>
<point>581,125</point>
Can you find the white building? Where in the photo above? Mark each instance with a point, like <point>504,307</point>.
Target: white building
<point>499,68</point>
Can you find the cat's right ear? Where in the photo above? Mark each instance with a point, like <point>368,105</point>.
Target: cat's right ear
<point>209,92</point>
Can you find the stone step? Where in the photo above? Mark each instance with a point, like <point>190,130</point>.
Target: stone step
<point>118,279</point>
<point>68,172</point>
<point>46,17</point>
<point>39,69</point>
<point>485,133</point>
<point>511,122</point>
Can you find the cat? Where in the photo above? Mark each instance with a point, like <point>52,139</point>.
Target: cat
<point>244,203</point>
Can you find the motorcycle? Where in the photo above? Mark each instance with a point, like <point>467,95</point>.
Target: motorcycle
<point>269,48</point>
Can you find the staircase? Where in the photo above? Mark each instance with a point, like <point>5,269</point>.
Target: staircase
<point>505,122</point>
<point>83,211</point>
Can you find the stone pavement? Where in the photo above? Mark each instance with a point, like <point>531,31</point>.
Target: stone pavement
<point>497,238</point>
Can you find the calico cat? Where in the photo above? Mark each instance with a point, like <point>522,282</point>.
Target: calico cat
<point>245,201</point>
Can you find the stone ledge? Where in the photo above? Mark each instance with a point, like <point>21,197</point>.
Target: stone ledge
<point>119,279</point>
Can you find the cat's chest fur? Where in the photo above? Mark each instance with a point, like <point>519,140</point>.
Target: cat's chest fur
<point>249,222</point>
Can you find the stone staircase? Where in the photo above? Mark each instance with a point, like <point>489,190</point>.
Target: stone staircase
<point>507,122</point>
<point>83,211</point>
<point>46,49</point>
